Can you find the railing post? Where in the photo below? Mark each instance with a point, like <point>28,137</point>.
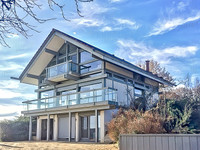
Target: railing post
<point>94,98</point>
<point>45,103</point>
<point>27,106</point>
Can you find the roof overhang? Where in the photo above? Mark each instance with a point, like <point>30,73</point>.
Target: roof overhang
<point>55,40</point>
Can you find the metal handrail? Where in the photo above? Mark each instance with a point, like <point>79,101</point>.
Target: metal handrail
<point>70,94</point>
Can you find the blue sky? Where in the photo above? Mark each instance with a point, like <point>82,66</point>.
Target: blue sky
<point>167,31</point>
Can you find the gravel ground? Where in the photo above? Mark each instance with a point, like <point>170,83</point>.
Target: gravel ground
<point>55,146</point>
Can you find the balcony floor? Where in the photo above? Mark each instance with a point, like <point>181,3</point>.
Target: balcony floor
<point>103,105</point>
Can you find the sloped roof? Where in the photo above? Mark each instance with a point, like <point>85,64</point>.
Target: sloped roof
<point>56,39</point>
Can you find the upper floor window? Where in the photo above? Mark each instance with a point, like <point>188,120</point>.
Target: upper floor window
<point>72,49</point>
<point>91,66</point>
<point>138,93</point>
<point>119,78</point>
<point>46,94</point>
<point>91,87</point>
<point>85,56</point>
<point>62,50</point>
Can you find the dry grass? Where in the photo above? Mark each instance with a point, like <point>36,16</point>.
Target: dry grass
<point>55,146</point>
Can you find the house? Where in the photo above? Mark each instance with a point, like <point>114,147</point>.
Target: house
<point>79,88</point>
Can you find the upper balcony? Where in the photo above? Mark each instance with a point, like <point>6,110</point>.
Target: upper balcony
<point>93,97</point>
<point>64,71</point>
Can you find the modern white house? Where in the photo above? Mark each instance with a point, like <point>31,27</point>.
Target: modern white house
<point>79,88</point>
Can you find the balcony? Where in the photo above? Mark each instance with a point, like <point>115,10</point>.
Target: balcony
<point>63,71</point>
<point>86,97</point>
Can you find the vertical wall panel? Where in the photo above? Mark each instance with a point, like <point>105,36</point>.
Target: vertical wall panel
<point>186,143</point>
<point>158,143</point>
<point>172,145</point>
<point>152,143</point>
<point>146,143</point>
<point>165,143</point>
<point>193,143</point>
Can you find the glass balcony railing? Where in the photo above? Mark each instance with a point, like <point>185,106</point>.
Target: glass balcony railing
<point>97,95</point>
<point>61,69</point>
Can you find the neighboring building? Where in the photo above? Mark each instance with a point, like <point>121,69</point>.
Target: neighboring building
<point>79,88</point>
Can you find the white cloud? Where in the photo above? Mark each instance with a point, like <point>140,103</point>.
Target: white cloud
<point>106,28</point>
<point>13,35</point>
<point>9,84</point>
<point>181,6</point>
<point>91,9</point>
<point>120,24</point>
<point>8,94</point>
<point>128,23</point>
<point>9,112</point>
<point>92,15</point>
<point>87,22</point>
<point>14,57</point>
<point>134,51</point>
<point>116,1</point>
<point>4,93</point>
<point>11,66</point>
<point>125,21</point>
<point>163,26</point>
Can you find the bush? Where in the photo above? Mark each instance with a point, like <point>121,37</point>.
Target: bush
<point>14,130</point>
<point>134,122</point>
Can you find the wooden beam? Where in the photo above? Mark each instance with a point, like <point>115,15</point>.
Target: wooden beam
<point>32,76</point>
<point>51,52</point>
<point>14,78</point>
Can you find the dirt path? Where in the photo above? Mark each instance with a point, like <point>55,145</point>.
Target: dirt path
<point>55,146</point>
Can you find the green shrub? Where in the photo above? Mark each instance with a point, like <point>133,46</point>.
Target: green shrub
<point>14,130</point>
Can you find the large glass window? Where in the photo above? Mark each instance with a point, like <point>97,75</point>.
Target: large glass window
<point>72,48</point>
<point>91,87</point>
<point>138,93</point>
<point>116,77</point>
<point>91,66</point>
<point>74,66</point>
<point>91,96</point>
<point>62,50</point>
<point>85,56</point>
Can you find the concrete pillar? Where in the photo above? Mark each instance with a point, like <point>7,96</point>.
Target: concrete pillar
<point>70,122</point>
<point>38,133</point>
<point>55,128</point>
<point>96,125</point>
<point>77,118</point>
<point>48,127</point>
<point>30,129</point>
<point>102,126</point>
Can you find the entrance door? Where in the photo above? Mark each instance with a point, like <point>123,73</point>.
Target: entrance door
<point>44,129</point>
<point>84,127</point>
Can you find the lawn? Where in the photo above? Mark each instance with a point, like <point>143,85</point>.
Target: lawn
<point>55,146</point>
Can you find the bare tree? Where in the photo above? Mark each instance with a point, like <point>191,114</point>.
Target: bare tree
<point>157,69</point>
<point>14,14</point>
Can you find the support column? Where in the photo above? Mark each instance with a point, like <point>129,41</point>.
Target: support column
<point>55,128</point>
<point>38,134</point>
<point>48,126</point>
<point>70,122</point>
<point>102,126</point>
<point>30,128</point>
<point>96,125</point>
<point>77,126</point>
